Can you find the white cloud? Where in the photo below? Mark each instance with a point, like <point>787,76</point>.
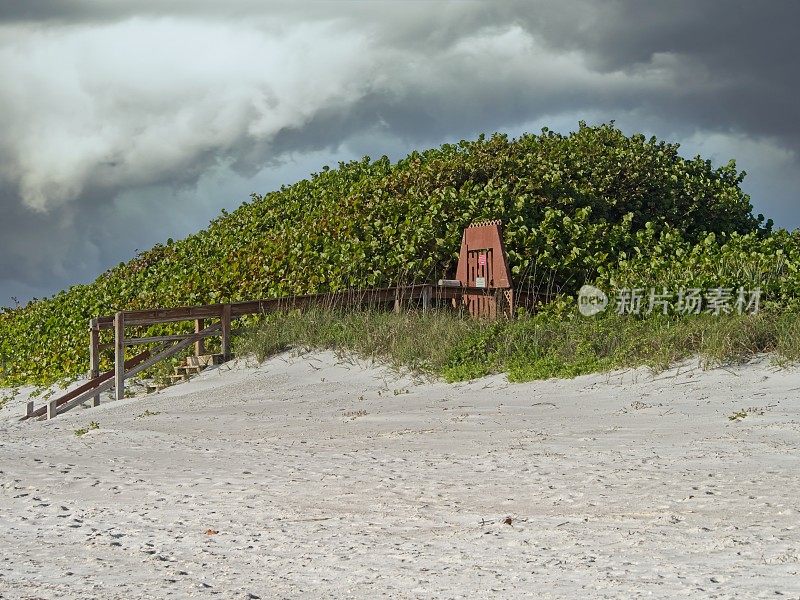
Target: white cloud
<point>137,102</point>
<point>148,101</point>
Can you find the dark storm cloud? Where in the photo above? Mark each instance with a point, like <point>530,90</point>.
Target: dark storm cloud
<point>734,57</point>
<point>111,112</point>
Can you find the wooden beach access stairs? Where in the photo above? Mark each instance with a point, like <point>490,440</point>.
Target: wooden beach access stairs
<point>215,320</point>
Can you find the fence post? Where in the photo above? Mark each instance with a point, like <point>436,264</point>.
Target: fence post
<point>119,355</point>
<point>199,345</point>
<point>226,332</point>
<point>511,307</point>
<point>94,355</point>
<point>52,409</point>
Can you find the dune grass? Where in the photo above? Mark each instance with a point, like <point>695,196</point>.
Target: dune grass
<point>455,347</point>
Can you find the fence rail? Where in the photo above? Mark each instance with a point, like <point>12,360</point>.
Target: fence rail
<point>240,309</point>
<point>426,295</point>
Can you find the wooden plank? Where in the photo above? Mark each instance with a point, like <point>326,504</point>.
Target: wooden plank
<point>190,339</point>
<point>333,299</point>
<point>163,315</point>
<point>225,322</point>
<point>52,409</point>
<point>239,309</point>
<point>451,293</point>
<point>81,398</point>
<point>119,355</point>
<point>165,338</point>
<point>87,387</point>
<point>199,346</point>
<point>94,356</point>
<point>109,384</point>
<point>349,298</point>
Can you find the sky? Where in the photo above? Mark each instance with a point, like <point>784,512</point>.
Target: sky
<point>124,123</point>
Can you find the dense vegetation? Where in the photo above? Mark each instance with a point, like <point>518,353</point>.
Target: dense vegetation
<point>667,259</point>
<point>592,204</point>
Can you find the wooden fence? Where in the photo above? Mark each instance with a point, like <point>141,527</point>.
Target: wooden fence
<point>423,296</point>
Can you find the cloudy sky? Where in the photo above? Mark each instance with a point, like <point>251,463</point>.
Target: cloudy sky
<point>125,122</point>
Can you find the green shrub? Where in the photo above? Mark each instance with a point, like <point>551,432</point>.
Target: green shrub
<point>667,259</point>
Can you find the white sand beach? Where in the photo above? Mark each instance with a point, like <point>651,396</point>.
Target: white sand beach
<point>317,477</point>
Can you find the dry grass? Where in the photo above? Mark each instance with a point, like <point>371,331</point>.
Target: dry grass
<point>455,347</point>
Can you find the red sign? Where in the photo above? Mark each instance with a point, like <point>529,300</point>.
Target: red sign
<point>482,260</point>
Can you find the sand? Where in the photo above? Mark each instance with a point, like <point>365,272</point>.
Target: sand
<point>313,476</point>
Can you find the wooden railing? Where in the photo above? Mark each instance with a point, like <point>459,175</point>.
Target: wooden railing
<point>425,296</point>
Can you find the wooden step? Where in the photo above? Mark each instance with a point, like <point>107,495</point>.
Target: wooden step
<point>191,365</point>
<point>204,360</point>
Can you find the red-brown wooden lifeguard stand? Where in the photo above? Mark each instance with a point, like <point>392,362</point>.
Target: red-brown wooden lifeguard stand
<point>483,271</point>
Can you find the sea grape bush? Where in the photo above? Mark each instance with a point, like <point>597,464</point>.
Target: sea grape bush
<point>572,205</point>
<point>667,259</point>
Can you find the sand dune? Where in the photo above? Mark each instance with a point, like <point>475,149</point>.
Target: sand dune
<point>316,477</point>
